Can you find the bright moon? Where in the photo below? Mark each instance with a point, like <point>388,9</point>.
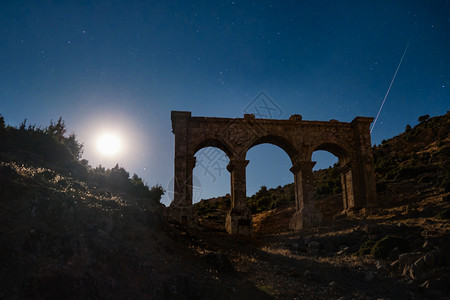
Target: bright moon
<point>108,144</point>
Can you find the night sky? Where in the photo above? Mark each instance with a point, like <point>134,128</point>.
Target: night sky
<point>122,66</point>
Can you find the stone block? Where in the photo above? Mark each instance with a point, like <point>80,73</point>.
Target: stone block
<point>305,219</point>
<point>184,216</point>
<point>239,221</point>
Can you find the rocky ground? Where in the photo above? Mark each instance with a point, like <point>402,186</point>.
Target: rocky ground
<point>64,238</point>
<point>323,262</point>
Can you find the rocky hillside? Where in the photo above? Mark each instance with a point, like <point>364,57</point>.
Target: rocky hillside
<point>70,231</point>
<point>405,242</point>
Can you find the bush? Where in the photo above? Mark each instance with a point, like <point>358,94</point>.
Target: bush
<point>366,247</point>
<point>423,118</point>
<point>2,123</point>
<point>382,248</point>
<point>156,193</point>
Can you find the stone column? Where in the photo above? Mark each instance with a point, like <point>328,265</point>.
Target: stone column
<point>239,218</point>
<point>365,162</point>
<point>350,193</point>
<point>306,214</point>
<point>181,210</point>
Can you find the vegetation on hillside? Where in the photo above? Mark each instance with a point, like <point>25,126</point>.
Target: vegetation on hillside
<point>70,231</point>
<point>421,153</point>
<point>51,148</point>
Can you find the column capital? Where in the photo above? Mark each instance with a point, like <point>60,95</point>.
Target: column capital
<point>348,166</point>
<point>236,163</point>
<point>302,165</point>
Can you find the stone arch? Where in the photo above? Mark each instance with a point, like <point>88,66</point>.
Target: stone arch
<point>347,170</point>
<point>298,138</point>
<point>280,164</point>
<point>213,142</point>
<point>279,141</point>
<point>342,152</point>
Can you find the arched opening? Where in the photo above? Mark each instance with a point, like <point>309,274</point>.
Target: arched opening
<point>211,187</point>
<point>327,184</point>
<point>282,143</point>
<point>330,180</point>
<point>323,159</point>
<point>213,142</point>
<point>269,186</point>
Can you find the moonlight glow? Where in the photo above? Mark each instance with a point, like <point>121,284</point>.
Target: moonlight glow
<point>108,144</point>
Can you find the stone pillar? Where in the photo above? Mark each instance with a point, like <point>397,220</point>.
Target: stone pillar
<point>306,214</point>
<point>344,193</point>
<point>181,210</point>
<point>239,218</point>
<point>351,196</point>
<point>365,162</point>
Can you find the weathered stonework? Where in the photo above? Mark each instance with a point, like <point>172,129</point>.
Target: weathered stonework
<point>350,142</point>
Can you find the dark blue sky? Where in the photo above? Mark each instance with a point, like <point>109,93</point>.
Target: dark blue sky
<point>124,65</point>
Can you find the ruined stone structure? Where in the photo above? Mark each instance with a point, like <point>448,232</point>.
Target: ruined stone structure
<point>350,142</point>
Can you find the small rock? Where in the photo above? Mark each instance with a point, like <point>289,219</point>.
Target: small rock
<point>427,244</point>
<point>381,265</point>
<point>425,284</point>
<point>394,265</point>
<point>408,258</point>
<point>343,251</point>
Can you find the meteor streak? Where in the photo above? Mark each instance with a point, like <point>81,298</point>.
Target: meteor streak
<point>392,81</point>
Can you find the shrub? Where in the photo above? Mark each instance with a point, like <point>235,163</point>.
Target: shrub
<point>423,118</point>
<point>366,247</point>
<point>155,193</point>
<point>381,248</point>
<point>74,146</point>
